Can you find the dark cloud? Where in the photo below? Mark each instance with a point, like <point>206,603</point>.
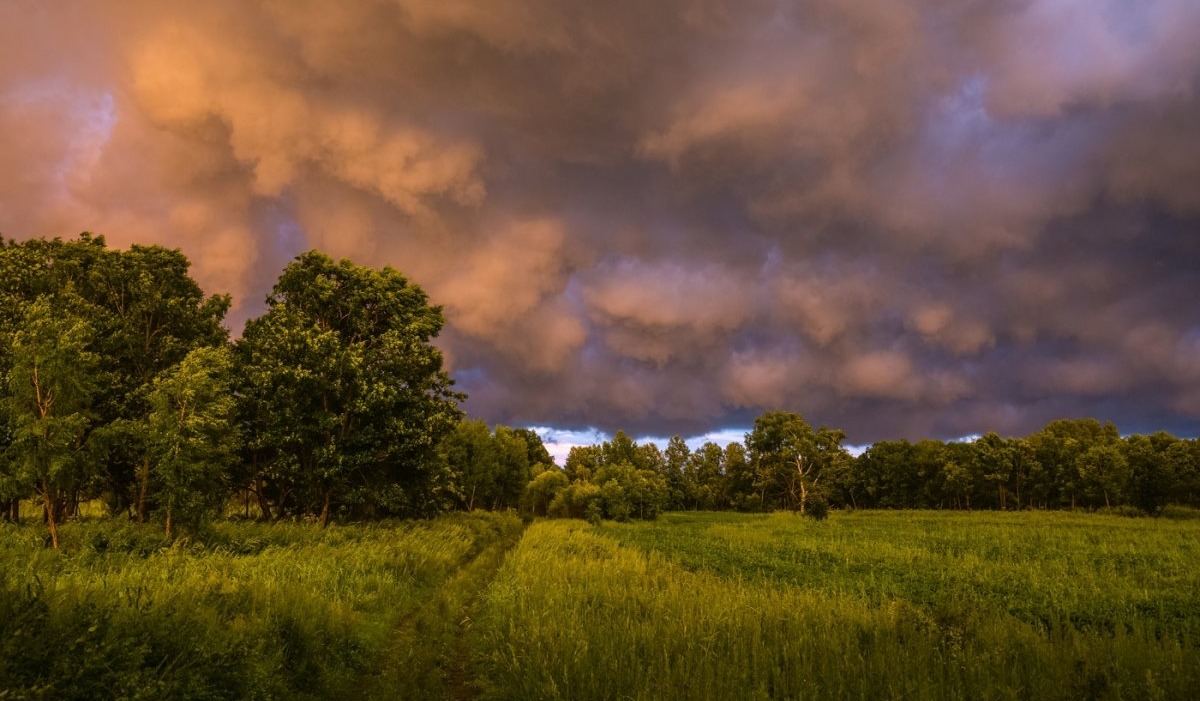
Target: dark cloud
<point>926,218</point>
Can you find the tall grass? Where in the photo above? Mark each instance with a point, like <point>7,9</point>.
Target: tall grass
<point>863,606</point>
<point>255,611</point>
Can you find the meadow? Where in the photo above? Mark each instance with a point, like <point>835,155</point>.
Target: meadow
<point>693,605</point>
<point>248,611</point>
<point>866,605</point>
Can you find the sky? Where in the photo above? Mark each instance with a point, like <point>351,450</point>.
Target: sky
<point>904,219</point>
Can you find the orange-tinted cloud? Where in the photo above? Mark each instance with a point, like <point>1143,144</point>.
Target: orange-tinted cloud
<point>924,218</point>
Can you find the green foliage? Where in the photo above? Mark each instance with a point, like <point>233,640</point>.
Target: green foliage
<point>1068,464</point>
<point>582,461</point>
<point>535,449</point>
<point>617,480</point>
<point>541,491</point>
<point>577,500</point>
<point>789,458</point>
<point>490,469</point>
<point>818,507</point>
<point>344,394</point>
<point>193,437</point>
<point>630,492</point>
<point>51,388</point>
<point>471,456</point>
<point>144,314</point>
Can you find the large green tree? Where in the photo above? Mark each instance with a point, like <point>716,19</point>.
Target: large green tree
<point>193,436</point>
<point>146,313</point>
<point>51,388</point>
<point>789,459</point>
<point>345,398</point>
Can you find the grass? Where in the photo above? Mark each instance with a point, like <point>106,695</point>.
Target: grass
<point>865,605</point>
<point>255,611</point>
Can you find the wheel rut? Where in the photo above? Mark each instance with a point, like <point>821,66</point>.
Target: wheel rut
<point>429,655</point>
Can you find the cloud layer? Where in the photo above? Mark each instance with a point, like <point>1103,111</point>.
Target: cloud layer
<point>920,219</point>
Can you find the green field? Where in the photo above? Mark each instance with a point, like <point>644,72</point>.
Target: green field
<point>866,605</point>
<point>691,606</point>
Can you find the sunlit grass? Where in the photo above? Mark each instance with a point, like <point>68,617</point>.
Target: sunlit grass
<point>883,605</point>
<point>254,611</point>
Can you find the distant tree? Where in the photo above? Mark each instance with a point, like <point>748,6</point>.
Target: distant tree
<point>541,491</point>
<point>512,468</point>
<point>1006,463</point>
<point>831,460</point>
<point>704,476</point>
<point>620,450</point>
<point>739,491</point>
<point>1104,473</point>
<point>675,460</point>
<point>580,499</point>
<point>192,435</point>
<point>345,398</point>
<point>471,456</point>
<point>789,458</point>
<point>992,462</point>
<point>1183,456</point>
<point>536,452</point>
<point>627,491</point>
<point>1152,477</point>
<point>647,456</point>
<point>582,462</point>
<point>957,485</point>
<point>1058,449</point>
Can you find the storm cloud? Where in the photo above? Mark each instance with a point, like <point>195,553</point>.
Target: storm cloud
<point>926,218</point>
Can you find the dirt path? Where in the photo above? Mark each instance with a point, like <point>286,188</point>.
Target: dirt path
<point>429,656</point>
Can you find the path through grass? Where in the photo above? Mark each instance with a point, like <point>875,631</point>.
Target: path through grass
<point>255,611</point>
<point>427,656</point>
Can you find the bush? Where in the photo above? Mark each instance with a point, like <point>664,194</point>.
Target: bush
<point>540,492</point>
<point>817,508</point>
<point>1125,510</point>
<point>1175,512</point>
<point>574,501</point>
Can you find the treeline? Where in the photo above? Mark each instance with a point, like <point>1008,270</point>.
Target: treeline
<point>785,463</point>
<point>120,384</point>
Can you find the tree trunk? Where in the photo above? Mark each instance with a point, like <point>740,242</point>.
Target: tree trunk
<point>169,500</point>
<point>264,506</point>
<point>325,508</point>
<point>143,485</point>
<point>51,517</point>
